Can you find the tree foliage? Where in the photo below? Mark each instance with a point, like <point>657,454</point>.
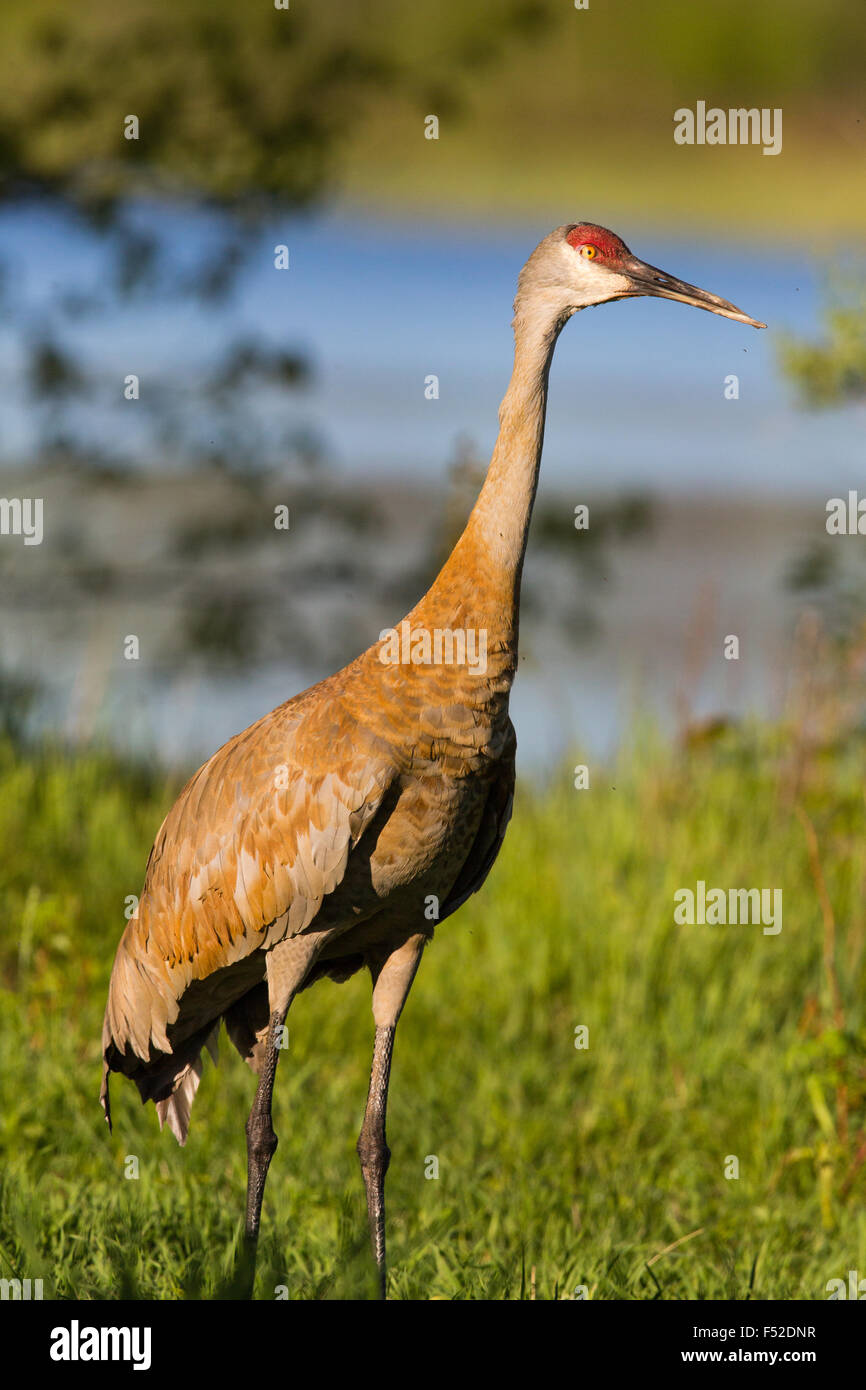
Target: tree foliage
<point>831,370</point>
<point>234,102</point>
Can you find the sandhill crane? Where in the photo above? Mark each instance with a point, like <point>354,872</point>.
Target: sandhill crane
<point>315,842</point>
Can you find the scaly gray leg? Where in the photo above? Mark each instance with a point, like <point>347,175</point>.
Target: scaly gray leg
<point>287,965</point>
<point>373,1149</point>
<point>261,1140</point>
<point>392,977</point>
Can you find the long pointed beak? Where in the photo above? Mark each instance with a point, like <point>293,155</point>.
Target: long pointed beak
<point>649,280</point>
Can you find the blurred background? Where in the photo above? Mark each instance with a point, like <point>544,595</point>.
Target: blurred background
<point>306,387</point>
<point>154,257</point>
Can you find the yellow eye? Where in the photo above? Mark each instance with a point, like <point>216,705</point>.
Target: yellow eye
<point>589,251</point>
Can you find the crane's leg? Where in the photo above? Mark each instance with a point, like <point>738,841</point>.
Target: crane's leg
<point>392,979</point>
<point>261,1139</point>
<point>287,964</point>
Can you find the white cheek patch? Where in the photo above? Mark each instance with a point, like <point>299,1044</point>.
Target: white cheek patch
<point>619,284</point>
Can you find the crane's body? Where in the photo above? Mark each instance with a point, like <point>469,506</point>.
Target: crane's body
<point>264,845</point>
<point>315,842</point>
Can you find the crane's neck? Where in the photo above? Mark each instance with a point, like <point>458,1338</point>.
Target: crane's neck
<point>477,590</point>
<point>499,523</point>
<point>484,569</point>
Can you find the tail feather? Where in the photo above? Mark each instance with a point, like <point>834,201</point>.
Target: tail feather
<point>176,1108</point>
<point>157,1021</point>
<point>170,1080</point>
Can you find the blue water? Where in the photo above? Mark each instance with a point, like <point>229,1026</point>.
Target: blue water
<point>636,401</point>
<point>636,394</point>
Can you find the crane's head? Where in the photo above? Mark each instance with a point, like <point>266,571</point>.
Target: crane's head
<point>583,264</point>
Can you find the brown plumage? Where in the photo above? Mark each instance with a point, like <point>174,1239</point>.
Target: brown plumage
<point>314,842</point>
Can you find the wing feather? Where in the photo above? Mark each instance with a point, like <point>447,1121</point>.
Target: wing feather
<point>258,838</point>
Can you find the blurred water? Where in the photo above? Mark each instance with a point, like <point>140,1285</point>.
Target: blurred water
<point>636,400</point>
<point>636,389</point>
<point>636,392</point>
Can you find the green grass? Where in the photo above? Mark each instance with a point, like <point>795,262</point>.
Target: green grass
<point>583,1166</point>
